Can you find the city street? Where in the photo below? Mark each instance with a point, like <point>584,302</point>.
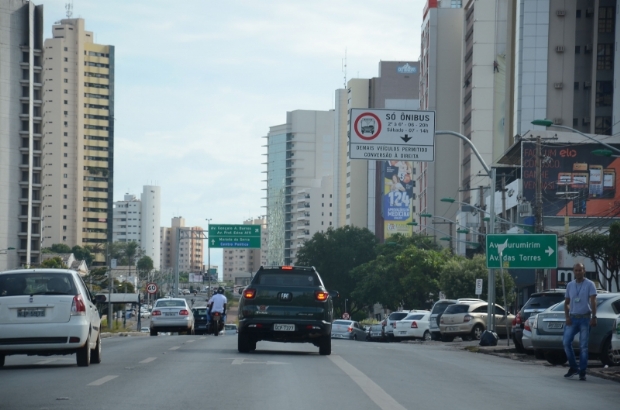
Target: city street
<point>207,372</point>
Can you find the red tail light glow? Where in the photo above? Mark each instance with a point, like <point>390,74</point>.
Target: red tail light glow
<point>287,268</point>
<point>156,313</point>
<point>414,325</point>
<point>467,318</point>
<point>249,293</point>
<point>517,320</point>
<point>349,329</point>
<point>183,312</point>
<point>78,308</point>
<point>321,296</point>
<point>527,326</point>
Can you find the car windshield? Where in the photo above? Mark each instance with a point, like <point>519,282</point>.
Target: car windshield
<point>170,303</point>
<point>440,307</point>
<point>286,278</point>
<point>200,312</point>
<point>457,308</point>
<point>397,316</point>
<point>414,317</point>
<point>376,327</point>
<point>37,283</point>
<point>560,306</point>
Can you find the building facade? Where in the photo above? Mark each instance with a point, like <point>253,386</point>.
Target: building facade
<point>240,264</point>
<point>21,134</point>
<point>191,247</point>
<point>78,166</point>
<point>137,220</point>
<point>299,170</point>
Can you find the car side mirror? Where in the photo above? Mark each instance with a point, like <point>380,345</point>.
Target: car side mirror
<point>334,294</point>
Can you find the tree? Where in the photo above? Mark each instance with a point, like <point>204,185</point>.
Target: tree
<point>54,263</point>
<point>144,265</point>
<point>602,249</point>
<point>458,279</point>
<point>83,253</point>
<point>335,253</point>
<point>57,248</point>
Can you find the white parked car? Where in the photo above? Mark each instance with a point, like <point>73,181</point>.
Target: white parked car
<point>414,326</point>
<point>615,339</point>
<point>527,334</point>
<point>48,312</point>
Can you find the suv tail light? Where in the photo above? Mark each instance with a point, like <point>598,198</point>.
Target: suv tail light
<point>156,313</point>
<point>414,325</point>
<point>321,296</point>
<point>527,326</point>
<point>535,323</point>
<point>183,312</point>
<point>78,308</point>
<point>249,293</point>
<point>467,318</point>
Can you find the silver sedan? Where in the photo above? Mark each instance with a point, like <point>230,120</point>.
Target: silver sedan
<point>348,329</point>
<point>172,315</point>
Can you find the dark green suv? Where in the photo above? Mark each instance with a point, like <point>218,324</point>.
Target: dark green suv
<point>286,304</point>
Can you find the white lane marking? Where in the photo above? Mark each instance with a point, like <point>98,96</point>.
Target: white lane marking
<point>174,348</point>
<point>102,380</point>
<point>372,389</point>
<point>190,341</point>
<point>148,360</point>
<point>243,361</point>
<point>46,361</point>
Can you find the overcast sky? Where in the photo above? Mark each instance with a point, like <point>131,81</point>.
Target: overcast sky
<point>199,83</point>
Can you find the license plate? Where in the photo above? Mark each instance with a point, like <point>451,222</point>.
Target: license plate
<point>30,312</point>
<point>284,328</point>
<point>170,314</point>
<point>556,325</point>
<point>402,333</point>
<point>376,334</point>
<point>452,328</point>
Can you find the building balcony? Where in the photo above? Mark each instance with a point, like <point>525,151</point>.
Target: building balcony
<point>95,225</point>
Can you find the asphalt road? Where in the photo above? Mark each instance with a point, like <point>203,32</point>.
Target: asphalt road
<point>187,372</point>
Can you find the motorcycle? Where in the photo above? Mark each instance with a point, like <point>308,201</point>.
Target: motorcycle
<point>217,324</point>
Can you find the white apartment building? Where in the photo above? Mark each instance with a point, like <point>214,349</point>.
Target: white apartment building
<point>299,178</point>
<point>241,264</point>
<point>21,112</point>
<point>78,160</point>
<point>137,220</point>
<point>191,247</point>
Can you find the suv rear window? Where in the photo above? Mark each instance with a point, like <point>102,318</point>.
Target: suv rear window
<point>440,307</point>
<point>277,277</point>
<point>543,301</point>
<point>397,316</point>
<point>456,308</point>
<point>414,317</point>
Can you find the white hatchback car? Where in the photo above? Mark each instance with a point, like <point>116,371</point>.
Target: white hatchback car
<point>48,312</point>
<point>414,326</point>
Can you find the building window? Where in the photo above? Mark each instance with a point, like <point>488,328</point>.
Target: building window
<point>64,185</point>
<point>605,57</point>
<point>64,207</point>
<point>65,165</point>
<point>604,93</point>
<point>602,126</point>
<point>65,176</point>
<point>66,102</point>
<point>606,18</point>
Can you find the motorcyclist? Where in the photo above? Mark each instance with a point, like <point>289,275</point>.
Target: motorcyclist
<point>218,303</point>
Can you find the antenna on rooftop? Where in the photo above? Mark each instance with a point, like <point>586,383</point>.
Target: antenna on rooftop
<point>69,8</point>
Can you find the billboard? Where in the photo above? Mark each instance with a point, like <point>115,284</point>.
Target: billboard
<point>575,182</point>
<point>397,197</point>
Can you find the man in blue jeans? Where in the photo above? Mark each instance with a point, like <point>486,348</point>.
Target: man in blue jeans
<point>580,312</point>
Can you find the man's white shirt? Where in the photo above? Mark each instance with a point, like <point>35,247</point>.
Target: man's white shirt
<point>218,301</point>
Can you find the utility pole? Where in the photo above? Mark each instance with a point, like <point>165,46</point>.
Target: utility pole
<point>209,257</point>
<point>538,214</point>
<point>503,226</point>
<point>482,228</point>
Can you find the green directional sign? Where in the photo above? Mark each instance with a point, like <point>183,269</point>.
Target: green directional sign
<point>522,251</point>
<point>234,236</point>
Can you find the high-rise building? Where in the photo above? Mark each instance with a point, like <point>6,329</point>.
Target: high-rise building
<point>21,112</point>
<point>78,147</point>
<point>191,247</point>
<point>359,184</point>
<point>240,264</point>
<point>137,220</point>
<point>299,182</point>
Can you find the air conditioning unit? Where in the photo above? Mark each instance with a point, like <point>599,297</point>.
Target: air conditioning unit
<point>558,85</point>
<point>586,120</point>
<point>587,84</point>
<point>524,209</point>
<point>559,49</point>
<point>560,13</point>
<point>557,121</point>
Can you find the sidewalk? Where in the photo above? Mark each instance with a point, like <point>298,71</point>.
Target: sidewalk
<point>595,367</point>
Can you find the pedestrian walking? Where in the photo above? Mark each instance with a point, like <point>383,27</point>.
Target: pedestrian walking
<point>580,312</point>
<point>495,67</point>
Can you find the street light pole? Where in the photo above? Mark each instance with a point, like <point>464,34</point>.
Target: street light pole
<point>209,256</point>
<point>491,174</point>
<point>549,123</point>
